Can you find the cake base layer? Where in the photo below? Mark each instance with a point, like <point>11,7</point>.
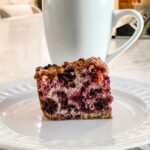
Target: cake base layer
<point>78,117</point>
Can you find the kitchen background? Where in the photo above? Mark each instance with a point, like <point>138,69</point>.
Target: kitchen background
<point>10,2</point>
<point>29,41</point>
<point>125,27</point>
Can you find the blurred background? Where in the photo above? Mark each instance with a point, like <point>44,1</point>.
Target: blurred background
<point>125,27</point>
<point>15,2</point>
<point>14,8</point>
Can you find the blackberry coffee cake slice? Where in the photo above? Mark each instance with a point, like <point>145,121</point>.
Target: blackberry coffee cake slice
<point>77,90</point>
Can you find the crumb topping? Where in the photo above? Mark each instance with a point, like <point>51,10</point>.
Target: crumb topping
<point>53,69</point>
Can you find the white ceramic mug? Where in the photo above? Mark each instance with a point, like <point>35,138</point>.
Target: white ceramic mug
<point>82,28</point>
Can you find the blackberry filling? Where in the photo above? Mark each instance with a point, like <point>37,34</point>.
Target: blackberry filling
<point>85,108</point>
<point>86,84</point>
<point>61,94</point>
<point>100,104</point>
<point>64,104</point>
<point>63,99</point>
<point>72,107</point>
<point>69,70</point>
<point>40,93</point>
<point>93,92</point>
<point>83,74</point>
<point>79,98</point>
<point>69,73</point>
<point>82,89</point>
<point>67,77</point>
<point>50,106</point>
<point>73,85</point>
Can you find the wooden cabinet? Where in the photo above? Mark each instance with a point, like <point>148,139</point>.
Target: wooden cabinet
<point>123,4</point>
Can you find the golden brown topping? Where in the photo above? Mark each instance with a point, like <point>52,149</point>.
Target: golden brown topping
<point>65,64</point>
<point>52,70</point>
<point>37,69</point>
<point>81,59</point>
<point>60,70</point>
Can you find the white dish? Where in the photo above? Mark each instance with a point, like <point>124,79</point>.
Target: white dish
<point>22,125</point>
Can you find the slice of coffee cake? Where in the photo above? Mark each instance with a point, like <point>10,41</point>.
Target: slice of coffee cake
<point>77,90</point>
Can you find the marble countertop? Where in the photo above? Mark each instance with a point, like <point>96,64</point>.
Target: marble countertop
<point>23,48</point>
<point>134,63</point>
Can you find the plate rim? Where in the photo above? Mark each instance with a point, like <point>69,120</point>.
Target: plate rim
<point>111,147</point>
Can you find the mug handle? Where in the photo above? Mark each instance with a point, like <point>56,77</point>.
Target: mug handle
<point>140,24</point>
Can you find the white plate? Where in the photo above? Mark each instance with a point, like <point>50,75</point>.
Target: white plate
<point>22,125</point>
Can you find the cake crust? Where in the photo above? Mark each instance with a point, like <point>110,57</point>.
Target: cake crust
<point>53,70</point>
<point>80,117</point>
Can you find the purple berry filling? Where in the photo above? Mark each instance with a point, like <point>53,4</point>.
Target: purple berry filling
<point>50,106</point>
